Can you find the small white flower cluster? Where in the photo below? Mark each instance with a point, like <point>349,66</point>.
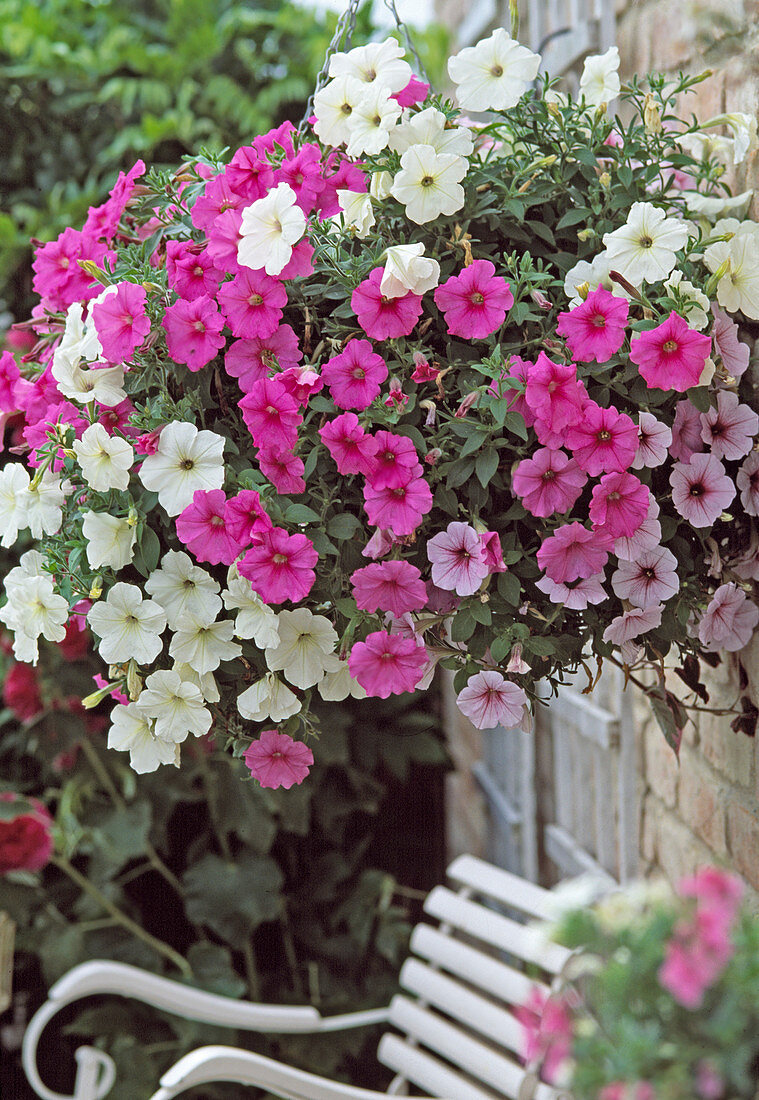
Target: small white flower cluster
<point>80,344</point>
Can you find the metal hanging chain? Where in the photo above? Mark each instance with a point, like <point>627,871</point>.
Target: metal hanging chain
<point>390,5</point>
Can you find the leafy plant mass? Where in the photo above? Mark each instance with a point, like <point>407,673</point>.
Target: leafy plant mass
<point>396,390</point>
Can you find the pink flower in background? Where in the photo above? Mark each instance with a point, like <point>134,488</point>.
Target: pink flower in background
<point>280,566</point>
<point>58,278</point>
<point>275,760</point>
<point>121,322</point>
<point>710,1084</point>
<point>577,595</point>
<point>245,517</point>
<point>395,586</point>
<point>475,301</point>
<point>384,318</point>
<point>193,331</point>
<point>729,429</point>
<point>548,482</point>
<point>619,504</point>
<point>489,700</point>
<point>103,220</point>
<point>729,620</point>
<point>202,528</point>
<point>283,469</point>
<point>352,449</point>
<point>603,440</point>
<point>671,356</point>
<point>654,440</point>
<point>400,509</point>
<point>355,375</point>
<point>713,887</point>
<point>21,691</point>
<point>732,351</point>
<point>686,431</point>
<point>387,664</point>
<point>631,624</point>
<point>252,304</point>
<point>701,490</point>
<point>380,544</point>
<point>547,1031</point>
<point>394,457</point>
<point>553,394</point>
<point>190,270</point>
<point>649,580</point>
<point>595,329</point>
<point>303,173</point>
<point>747,480</point>
<point>645,537</point>
<point>458,559</point>
<point>573,552</point>
<point>271,415</point>
<point>249,174</point>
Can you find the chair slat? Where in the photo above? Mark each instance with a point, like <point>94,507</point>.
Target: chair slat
<point>509,889</point>
<point>428,1073</point>
<point>468,1054</point>
<point>454,999</point>
<point>499,931</point>
<point>474,966</point>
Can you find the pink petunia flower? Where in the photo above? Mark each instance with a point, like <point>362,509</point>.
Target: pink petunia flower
<point>384,318</point>
<point>686,431</point>
<point>250,174</point>
<point>650,580</point>
<point>732,351</point>
<point>387,664</point>
<point>190,270</point>
<point>303,173</point>
<point>548,482</point>
<point>394,586</point>
<point>395,456</point>
<point>595,329</point>
<point>203,530</point>
<point>701,490</point>
<point>671,356</point>
<point>400,509</point>
<point>492,550</point>
<point>730,428</point>
<point>218,197</point>
<point>577,595</point>
<point>604,440</point>
<point>280,566</point>
<point>729,620</point>
<point>489,700</point>
<point>380,544</point>
<point>547,1031</point>
<point>519,370</point>
<point>275,760</point>
<point>553,394</point>
<point>193,331</point>
<point>416,91</point>
<point>646,537</point>
<point>245,517</point>
<point>121,322</point>
<point>654,439</point>
<point>252,303</point>
<point>747,480</point>
<point>424,371</point>
<point>271,415</point>
<point>224,240</point>
<point>572,552</point>
<point>103,220</point>
<point>475,301</point>
<point>283,469</point>
<point>458,559</point>
<point>58,278</point>
<point>301,382</point>
<point>618,505</point>
<point>355,375</point>
<point>249,360</point>
<point>352,449</point>
<point>631,624</point>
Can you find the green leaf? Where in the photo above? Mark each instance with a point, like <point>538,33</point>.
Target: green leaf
<point>148,552</point>
<point>212,966</point>
<point>699,397</point>
<point>463,626</point>
<point>343,526</point>
<point>509,588</point>
<point>301,513</point>
<point>514,422</point>
<point>460,472</point>
<point>573,217</point>
<point>499,648</point>
<point>486,466</point>
<point>481,612</point>
<point>233,898</point>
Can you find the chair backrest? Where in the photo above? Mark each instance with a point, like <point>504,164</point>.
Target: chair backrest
<point>460,1037</point>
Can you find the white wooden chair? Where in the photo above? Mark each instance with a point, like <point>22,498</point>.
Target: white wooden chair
<point>458,1037</point>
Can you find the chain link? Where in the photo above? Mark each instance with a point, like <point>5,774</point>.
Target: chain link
<point>390,5</point>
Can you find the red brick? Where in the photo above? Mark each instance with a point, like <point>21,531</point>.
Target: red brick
<point>743,835</point>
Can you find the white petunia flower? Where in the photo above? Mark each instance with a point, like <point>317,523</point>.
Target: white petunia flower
<point>333,106</point>
<point>176,706</point>
<point>14,484</point>
<point>718,206</point>
<point>380,185</point>
<point>338,685</point>
<point>270,227</point>
<point>205,681</point>
<point>110,540</point>
<point>186,460</point>
<point>408,269</point>
<point>268,699</point>
<point>738,289</point>
<point>43,504</point>
<point>599,82</point>
<point>128,626</point>
<point>33,609</point>
<point>80,339</point>
<point>358,213</point>
<point>428,127</point>
<point>102,384</point>
<point>494,74</point>
<point>131,731</point>
<point>377,62</point>
<point>695,308</point>
<point>306,647</point>
<point>371,121</point>
<point>742,142</point>
<point>183,588</point>
<point>255,619</point>
<point>428,183</point>
<point>31,564</point>
<point>204,645</point>
<point>643,250</point>
<point>592,275</point>
<point>105,460</point>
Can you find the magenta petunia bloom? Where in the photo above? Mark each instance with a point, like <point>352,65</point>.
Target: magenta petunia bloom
<point>489,700</point>
<point>548,482</point>
<point>646,537</point>
<point>283,469</point>
<point>218,197</point>
<point>224,240</point>
<point>190,270</point>
<point>387,664</point>
<point>747,480</point>
<point>518,369</point>
<point>252,303</point>
<point>193,331</point>
<point>384,318</point>
<point>395,586</point>
<point>649,580</point>
<point>701,490</point>
<point>595,329</point>
<point>576,595</point>
<point>618,505</point>
<point>553,393</point>
<point>249,360</point>
<point>458,559</point>
<point>275,760</point>
<point>355,375</point>
<point>686,431</point>
<point>654,441</point>
<point>395,456</point>
<point>732,351</point>
<point>671,356</point>
<point>103,220</point>
<point>58,278</point>
<point>729,429</point>
<point>546,1021</point>
<point>280,566</point>
<point>245,517</point>
<point>603,441</point>
<point>271,415</point>
<point>729,621</point>
<point>416,91</point>
<point>303,173</point>
<point>572,552</point>
<point>399,510</point>
<point>475,301</point>
<point>202,527</point>
<point>490,541</point>
<point>352,449</point>
<point>250,174</point>
<point>301,382</point>
<point>121,322</point>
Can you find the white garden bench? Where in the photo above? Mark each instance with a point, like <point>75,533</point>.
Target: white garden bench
<point>458,1037</point>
